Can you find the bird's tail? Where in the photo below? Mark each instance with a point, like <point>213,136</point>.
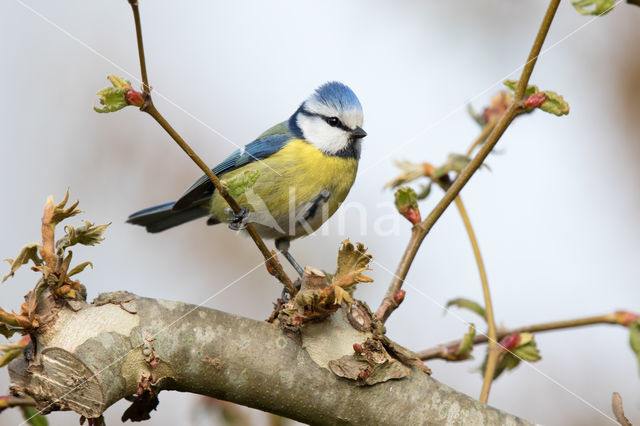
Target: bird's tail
<point>161,217</point>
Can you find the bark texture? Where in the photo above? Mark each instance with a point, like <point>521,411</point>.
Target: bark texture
<point>91,355</point>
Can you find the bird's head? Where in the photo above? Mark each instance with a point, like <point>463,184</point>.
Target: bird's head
<point>331,120</point>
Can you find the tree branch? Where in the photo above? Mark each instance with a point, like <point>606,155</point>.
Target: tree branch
<point>150,109</point>
<point>88,359</point>
<point>621,318</point>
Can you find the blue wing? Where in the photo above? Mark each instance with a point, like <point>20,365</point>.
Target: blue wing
<point>257,150</point>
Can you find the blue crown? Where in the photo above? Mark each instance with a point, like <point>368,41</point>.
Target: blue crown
<point>337,95</point>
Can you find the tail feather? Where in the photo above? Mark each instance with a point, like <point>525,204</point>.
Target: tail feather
<point>161,217</point>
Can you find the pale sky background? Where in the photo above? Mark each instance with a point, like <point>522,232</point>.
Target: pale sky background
<point>556,217</point>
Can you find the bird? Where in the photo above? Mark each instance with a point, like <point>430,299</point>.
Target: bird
<point>305,167</point>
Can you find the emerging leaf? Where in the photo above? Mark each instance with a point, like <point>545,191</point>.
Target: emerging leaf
<point>33,417</point>
<point>79,268</point>
<point>13,350</point>
<point>554,104</point>
<point>455,163</point>
<point>634,338</point>
<point>466,345</point>
<point>461,302</point>
<point>87,235</point>
<point>241,182</point>
<point>526,349</point>
<point>513,84</point>
<point>112,98</point>
<point>478,117</point>
<point>28,252</point>
<point>424,192</point>
<point>406,201</point>
<point>593,7</point>
<point>119,96</point>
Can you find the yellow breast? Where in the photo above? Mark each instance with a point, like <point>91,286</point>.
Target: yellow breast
<point>290,183</point>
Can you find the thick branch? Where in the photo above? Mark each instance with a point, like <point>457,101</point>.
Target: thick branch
<point>89,359</point>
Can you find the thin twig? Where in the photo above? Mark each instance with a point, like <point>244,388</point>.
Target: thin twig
<point>143,65</point>
<point>491,322</point>
<point>16,401</point>
<point>150,109</point>
<point>439,351</point>
<point>486,130</point>
<point>421,230</point>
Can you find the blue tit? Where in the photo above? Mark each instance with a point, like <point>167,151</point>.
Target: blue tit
<point>305,168</point>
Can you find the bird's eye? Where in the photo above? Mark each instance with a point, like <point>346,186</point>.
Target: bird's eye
<point>333,121</point>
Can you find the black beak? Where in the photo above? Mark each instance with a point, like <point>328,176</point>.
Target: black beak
<point>358,133</point>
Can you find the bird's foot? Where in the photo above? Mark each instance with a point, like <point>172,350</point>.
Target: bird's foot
<point>238,221</point>
<point>285,296</point>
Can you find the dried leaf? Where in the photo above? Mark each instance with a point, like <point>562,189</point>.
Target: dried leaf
<point>59,213</point>
<point>593,7</point>
<point>28,252</point>
<point>554,104</point>
<point>79,268</point>
<point>461,302</point>
<point>241,182</point>
<point>618,409</point>
<point>410,172</point>
<point>341,294</point>
<point>352,259</point>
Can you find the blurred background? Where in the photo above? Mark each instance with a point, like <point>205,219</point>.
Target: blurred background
<point>556,217</point>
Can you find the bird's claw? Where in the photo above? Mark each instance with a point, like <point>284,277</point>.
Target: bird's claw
<point>238,221</point>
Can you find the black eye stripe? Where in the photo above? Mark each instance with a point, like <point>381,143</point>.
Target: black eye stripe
<point>335,122</point>
<point>339,124</point>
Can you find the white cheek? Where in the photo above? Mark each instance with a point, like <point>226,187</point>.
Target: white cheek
<point>320,134</point>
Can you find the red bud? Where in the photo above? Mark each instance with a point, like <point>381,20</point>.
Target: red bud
<point>133,98</point>
<point>626,318</point>
<point>357,348</point>
<point>399,296</point>
<point>412,215</point>
<point>510,341</point>
<point>535,100</point>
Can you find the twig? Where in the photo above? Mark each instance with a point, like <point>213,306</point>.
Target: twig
<point>143,65</point>
<point>150,109</point>
<point>491,322</point>
<point>420,231</point>
<point>16,401</point>
<point>486,131</point>
<point>613,318</point>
